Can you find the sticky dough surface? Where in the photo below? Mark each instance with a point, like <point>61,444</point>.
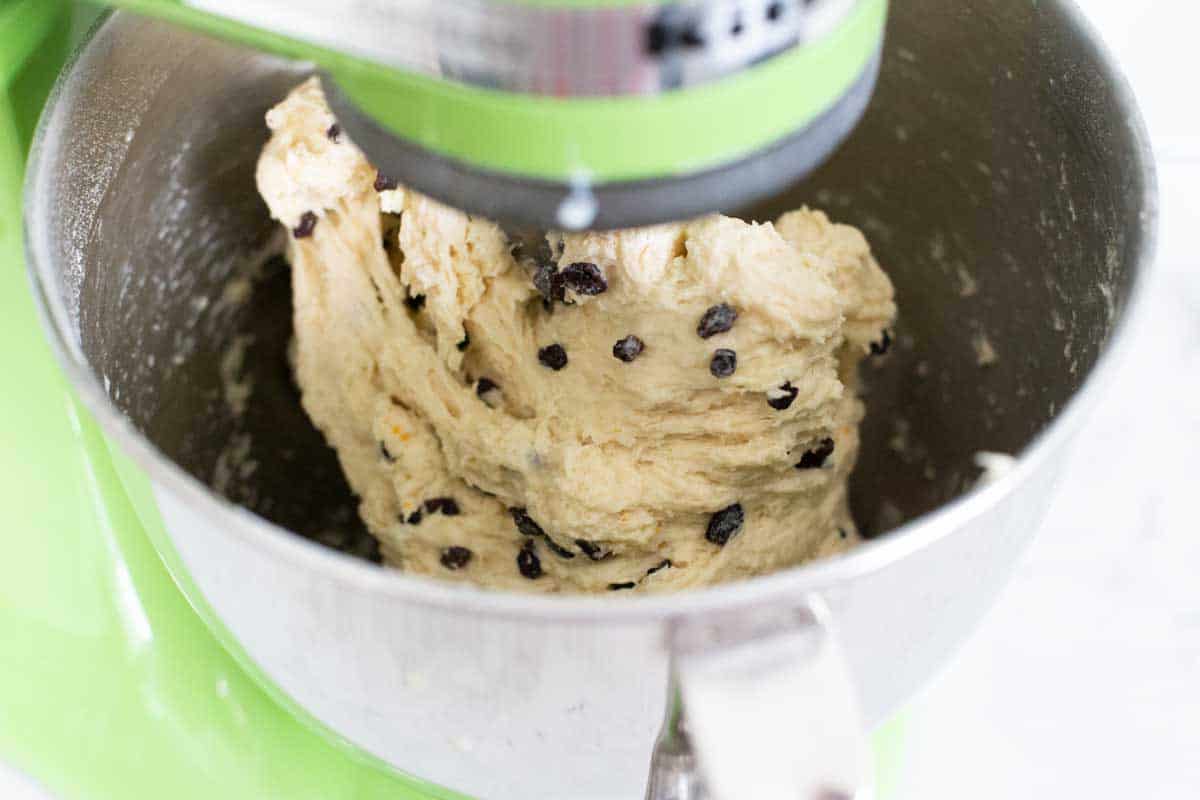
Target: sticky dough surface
<point>403,306</point>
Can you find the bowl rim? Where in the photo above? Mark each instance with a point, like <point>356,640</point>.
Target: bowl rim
<point>795,582</point>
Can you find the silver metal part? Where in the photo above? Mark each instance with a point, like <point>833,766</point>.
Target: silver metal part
<point>674,774</point>
<point>573,51</point>
<point>745,689</point>
<point>538,203</point>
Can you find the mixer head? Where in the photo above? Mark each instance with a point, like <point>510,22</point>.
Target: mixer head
<point>577,113</point>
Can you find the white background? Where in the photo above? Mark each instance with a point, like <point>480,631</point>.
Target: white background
<point>1084,682</point>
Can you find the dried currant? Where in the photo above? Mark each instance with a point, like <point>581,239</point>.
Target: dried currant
<point>723,364</point>
<point>815,458</point>
<point>783,401</point>
<point>666,562</point>
<point>553,356</point>
<point>628,349</point>
<point>725,524</point>
<point>584,277</point>
<point>308,222</point>
<point>528,563</point>
<point>557,548</point>
<point>446,505</point>
<point>525,523</point>
<point>717,319</point>
<point>455,558</point>
<point>594,550</point>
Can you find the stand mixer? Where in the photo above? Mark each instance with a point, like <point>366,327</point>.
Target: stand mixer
<point>577,113</point>
<point>264,664</point>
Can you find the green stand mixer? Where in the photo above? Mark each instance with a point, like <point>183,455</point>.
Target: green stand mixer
<point>123,670</point>
<point>113,686</point>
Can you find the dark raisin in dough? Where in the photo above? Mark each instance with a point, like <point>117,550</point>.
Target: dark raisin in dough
<point>628,349</point>
<point>553,356</point>
<point>334,132</point>
<point>308,222</point>
<point>585,278</point>
<point>717,319</point>
<point>815,458</point>
<point>446,505</point>
<point>528,527</point>
<point>387,455</point>
<point>484,386</point>
<point>723,364</point>
<point>785,401</point>
<point>528,563</point>
<point>594,550</point>
<point>525,523</point>
<point>384,183</point>
<point>725,524</point>
<point>455,558</point>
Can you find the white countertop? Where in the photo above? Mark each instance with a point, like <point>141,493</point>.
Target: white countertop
<point>1084,681</point>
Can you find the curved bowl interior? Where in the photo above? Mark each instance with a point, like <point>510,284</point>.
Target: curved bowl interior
<point>999,174</point>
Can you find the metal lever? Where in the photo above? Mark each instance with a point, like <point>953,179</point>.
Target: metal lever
<point>673,772</point>
<point>761,705</point>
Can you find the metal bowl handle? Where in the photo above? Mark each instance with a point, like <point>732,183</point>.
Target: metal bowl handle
<point>760,705</point>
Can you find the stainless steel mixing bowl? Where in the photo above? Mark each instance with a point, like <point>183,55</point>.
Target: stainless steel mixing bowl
<point>1004,178</point>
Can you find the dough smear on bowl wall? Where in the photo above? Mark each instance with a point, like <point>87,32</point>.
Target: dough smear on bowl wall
<point>644,409</point>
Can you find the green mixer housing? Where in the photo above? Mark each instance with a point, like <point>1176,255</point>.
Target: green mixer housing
<point>576,113</point>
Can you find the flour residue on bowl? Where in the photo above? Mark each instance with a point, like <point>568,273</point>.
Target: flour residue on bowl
<point>233,464</point>
<point>985,352</point>
<point>236,383</point>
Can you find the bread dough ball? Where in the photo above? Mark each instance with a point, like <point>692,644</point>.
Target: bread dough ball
<point>646,409</point>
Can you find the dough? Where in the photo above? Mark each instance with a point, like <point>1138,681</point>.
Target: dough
<point>501,427</point>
